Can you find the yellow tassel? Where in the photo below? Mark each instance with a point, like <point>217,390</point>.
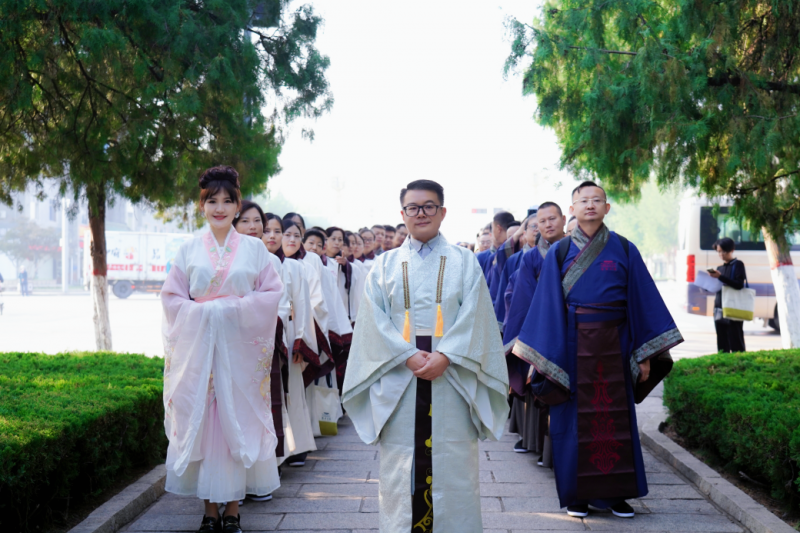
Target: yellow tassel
<point>407,329</point>
<point>439,322</point>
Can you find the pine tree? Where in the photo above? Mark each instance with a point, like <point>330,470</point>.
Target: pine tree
<point>133,98</point>
<point>704,93</point>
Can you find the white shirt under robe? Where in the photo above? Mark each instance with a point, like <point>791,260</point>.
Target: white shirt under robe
<point>468,401</point>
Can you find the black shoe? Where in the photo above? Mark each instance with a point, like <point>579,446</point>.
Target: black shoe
<point>297,460</point>
<point>230,524</point>
<point>540,460</point>
<point>622,510</point>
<point>210,525</point>
<point>255,498</point>
<point>578,511</point>
<point>519,448</point>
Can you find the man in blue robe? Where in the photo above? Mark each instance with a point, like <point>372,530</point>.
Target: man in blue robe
<point>527,419</point>
<point>596,323</point>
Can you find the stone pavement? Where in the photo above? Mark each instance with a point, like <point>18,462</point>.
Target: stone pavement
<point>337,490</point>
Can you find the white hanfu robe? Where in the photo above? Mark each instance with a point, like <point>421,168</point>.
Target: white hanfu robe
<point>467,403</point>
<point>314,271</point>
<point>340,329</point>
<point>284,311</point>
<point>220,312</point>
<point>301,338</point>
<point>351,298</point>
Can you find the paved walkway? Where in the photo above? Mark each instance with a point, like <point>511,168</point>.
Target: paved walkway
<point>337,490</point>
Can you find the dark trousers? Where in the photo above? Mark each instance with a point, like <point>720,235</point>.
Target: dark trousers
<point>730,337</point>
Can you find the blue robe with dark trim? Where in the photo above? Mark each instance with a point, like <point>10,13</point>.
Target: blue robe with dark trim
<point>485,261</point>
<point>511,266</point>
<point>498,264</point>
<point>527,274</point>
<point>521,300</point>
<point>512,279</point>
<point>548,342</point>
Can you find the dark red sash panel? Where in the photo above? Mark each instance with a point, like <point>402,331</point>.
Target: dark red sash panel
<point>605,449</point>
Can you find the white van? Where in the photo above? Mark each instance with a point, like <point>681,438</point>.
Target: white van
<point>698,230</point>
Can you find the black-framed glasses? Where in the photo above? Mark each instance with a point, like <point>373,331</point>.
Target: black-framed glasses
<point>429,210</point>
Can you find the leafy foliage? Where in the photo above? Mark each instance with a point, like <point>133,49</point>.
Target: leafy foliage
<point>702,92</point>
<point>70,425</point>
<point>135,97</point>
<point>745,408</point>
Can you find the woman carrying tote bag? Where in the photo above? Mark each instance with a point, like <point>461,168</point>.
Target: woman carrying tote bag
<point>730,337</point>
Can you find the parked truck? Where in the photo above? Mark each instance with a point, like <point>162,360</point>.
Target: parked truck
<point>137,261</point>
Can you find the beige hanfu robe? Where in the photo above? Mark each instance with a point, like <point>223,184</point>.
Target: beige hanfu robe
<point>467,403</point>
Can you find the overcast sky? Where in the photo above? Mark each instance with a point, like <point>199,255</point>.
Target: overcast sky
<point>419,93</point>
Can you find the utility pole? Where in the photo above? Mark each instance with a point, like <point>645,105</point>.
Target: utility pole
<point>64,246</point>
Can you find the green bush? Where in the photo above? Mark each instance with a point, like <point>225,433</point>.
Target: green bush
<point>70,426</point>
<point>745,409</point>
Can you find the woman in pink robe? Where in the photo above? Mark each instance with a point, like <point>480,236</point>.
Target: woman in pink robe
<point>220,303</point>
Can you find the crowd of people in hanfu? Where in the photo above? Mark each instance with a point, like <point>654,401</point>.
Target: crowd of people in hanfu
<point>273,330</point>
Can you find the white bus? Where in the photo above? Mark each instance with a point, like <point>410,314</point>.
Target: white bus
<point>698,230</point>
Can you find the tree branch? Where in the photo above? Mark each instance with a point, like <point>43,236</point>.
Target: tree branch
<point>742,191</point>
<point>771,118</point>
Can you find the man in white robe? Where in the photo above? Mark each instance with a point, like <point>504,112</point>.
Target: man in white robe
<point>427,355</point>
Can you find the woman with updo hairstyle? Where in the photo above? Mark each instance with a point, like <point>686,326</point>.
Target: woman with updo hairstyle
<point>220,301</point>
<point>298,219</point>
<point>273,233</point>
<point>250,220</point>
<point>292,243</point>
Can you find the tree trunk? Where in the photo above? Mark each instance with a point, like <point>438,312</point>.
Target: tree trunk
<point>99,283</point>
<point>787,290</point>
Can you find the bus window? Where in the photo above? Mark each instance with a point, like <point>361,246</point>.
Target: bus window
<point>713,228</point>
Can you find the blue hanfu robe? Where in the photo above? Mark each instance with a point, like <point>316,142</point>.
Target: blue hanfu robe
<point>590,324</point>
<point>500,298</point>
<point>499,260</point>
<point>524,288</point>
<point>485,261</point>
<point>508,294</point>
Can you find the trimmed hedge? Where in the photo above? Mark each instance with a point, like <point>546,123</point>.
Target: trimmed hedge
<point>70,426</point>
<point>745,409</point>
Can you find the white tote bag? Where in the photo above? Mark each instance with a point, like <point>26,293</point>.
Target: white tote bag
<point>739,304</point>
<point>324,407</point>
